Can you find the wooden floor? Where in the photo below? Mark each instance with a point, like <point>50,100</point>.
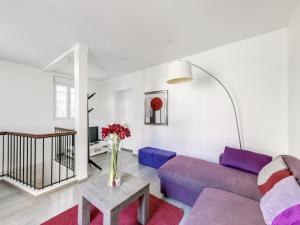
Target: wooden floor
<point>19,208</point>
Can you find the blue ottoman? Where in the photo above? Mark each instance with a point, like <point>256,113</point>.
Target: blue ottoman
<point>154,157</point>
<point>161,157</point>
<point>145,155</point>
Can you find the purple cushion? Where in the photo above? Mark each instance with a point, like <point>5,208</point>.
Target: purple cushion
<point>245,160</point>
<point>290,216</point>
<point>217,207</point>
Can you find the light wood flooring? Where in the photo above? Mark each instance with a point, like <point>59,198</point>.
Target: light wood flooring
<point>19,208</point>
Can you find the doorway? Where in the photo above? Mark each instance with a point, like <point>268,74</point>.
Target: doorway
<point>125,114</point>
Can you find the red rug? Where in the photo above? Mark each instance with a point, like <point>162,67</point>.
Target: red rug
<point>161,213</point>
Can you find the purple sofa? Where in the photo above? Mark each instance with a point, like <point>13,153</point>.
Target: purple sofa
<point>228,195</point>
<point>219,195</point>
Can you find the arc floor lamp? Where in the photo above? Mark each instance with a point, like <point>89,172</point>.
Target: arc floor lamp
<point>181,71</point>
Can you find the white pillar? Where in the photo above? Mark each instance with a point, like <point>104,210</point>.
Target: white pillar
<point>81,91</point>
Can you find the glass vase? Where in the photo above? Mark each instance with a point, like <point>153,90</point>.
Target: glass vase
<point>114,173</point>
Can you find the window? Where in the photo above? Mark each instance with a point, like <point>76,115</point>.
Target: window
<point>61,101</point>
<point>64,100</point>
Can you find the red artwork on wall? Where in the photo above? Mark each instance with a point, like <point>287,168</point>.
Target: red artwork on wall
<point>156,107</point>
<point>156,103</point>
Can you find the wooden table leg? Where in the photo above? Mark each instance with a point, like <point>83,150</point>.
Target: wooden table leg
<point>83,211</point>
<point>143,211</point>
<point>110,218</point>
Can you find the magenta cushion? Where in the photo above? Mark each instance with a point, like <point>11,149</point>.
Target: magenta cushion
<point>290,216</point>
<point>244,160</point>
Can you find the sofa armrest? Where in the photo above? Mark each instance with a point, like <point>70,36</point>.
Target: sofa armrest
<point>221,158</point>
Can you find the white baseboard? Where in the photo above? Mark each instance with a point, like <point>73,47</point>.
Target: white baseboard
<point>42,191</point>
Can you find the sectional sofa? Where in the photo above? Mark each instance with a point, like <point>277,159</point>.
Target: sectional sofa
<point>218,194</point>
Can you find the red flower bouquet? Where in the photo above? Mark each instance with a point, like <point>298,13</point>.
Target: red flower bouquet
<point>114,133</point>
<point>117,129</point>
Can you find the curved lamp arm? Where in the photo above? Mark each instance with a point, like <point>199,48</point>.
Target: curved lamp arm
<point>231,100</point>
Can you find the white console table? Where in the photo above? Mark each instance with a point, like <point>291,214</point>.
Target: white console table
<point>98,148</point>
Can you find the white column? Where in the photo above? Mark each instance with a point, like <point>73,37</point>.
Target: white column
<point>81,91</point>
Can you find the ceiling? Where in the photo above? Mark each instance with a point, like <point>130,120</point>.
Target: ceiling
<point>126,36</point>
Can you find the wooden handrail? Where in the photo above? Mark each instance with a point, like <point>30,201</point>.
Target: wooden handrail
<point>49,135</point>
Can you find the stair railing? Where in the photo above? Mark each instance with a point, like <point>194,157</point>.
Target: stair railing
<point>38,160</point>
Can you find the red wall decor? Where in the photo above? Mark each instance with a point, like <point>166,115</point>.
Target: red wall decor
<point>156,108</point>
<point>156,103</point>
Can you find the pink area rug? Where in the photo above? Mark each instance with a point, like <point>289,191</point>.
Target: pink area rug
<point>161,213</point>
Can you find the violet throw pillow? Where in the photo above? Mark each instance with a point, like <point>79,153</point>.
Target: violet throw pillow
<point>245,160</point>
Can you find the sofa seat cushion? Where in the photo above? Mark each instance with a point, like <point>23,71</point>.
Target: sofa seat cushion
<point>217,207</point>
<point>196,174</point>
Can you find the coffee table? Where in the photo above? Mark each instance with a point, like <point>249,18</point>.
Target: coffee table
<point>110,201</point>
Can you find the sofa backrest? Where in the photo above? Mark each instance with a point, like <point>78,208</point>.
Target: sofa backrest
<point>294,165</point>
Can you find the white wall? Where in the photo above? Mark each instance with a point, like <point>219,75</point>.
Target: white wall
<point>294,83</point>
<point>201,119</point>
<point>27,100</point>
<point>124,112</point>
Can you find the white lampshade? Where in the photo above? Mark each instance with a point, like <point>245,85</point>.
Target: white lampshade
<point>179,72</point>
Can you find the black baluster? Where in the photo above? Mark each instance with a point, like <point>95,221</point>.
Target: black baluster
<point>67,159</point>
<point>51,159</point>
<point>27,161</point>
<point>73,153</point>
<point>30,162</point>
<point>62,153</point>
<point>34,163</point>
<point>18,158</point>
<point>8,155</point>
<point>55,152</point>
<point>59,152</point>
<point>23,154</point>
<point>69,150</point>
<point>3,155</point>
<point>14,158</point>
<point>43,171</point>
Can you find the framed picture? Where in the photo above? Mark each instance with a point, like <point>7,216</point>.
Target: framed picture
<point>156,108</point>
